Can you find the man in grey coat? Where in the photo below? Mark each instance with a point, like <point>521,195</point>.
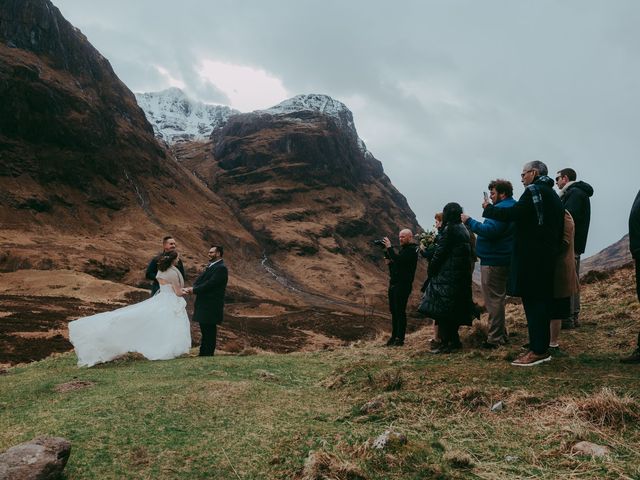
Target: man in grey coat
<point>209,289</point>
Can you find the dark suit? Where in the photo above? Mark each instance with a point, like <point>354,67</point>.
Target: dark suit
<point>402,269</point>
<point>208,311</point>
<point>152,271</point>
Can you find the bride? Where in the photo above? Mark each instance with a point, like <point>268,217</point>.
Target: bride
<point>158,328</point>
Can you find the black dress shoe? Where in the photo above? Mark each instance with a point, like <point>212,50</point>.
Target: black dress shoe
<point>489,346</point>
<point>391,342</point>
<point>398,343</point>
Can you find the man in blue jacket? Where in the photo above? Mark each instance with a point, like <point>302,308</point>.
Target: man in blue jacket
<point>494,246</point>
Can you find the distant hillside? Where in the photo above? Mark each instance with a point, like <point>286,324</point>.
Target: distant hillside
<point>614,256</point>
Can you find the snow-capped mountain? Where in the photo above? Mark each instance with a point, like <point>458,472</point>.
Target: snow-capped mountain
<point>176,118</point>
<point>319,103</point>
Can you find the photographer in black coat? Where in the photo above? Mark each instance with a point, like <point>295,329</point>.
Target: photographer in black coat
<point>634,246</point>
<point>402,269</point>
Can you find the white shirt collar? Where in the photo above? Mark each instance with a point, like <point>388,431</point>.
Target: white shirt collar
<point>213,263</point>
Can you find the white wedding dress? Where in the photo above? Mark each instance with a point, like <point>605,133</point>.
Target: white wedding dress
<point>158,328</point>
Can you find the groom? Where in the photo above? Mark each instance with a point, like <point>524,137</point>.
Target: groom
<point>209,288</point>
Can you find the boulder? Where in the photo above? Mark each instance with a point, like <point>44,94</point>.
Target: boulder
<point>40,459</point>
<point>389,439</point>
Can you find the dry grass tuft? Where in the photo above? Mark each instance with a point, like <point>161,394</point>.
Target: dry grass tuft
<point>233,346</point>
<point>389,380</point>
<point>474,337</point>
<point>75,385</point>
<point>470,398</point>
<point>458,459</point>
<point>247,351</point>
<point>606,408</point>
<point>325,466</point>
<point>333,382</point>
<point>523,397</point>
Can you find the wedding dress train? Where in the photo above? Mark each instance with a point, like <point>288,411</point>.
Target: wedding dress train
<point>158,328</point>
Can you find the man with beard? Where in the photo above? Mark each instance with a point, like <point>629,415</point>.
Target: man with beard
<point>402,270</point>
<point>168,245</point>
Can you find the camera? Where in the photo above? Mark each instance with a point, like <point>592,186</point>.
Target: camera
<point>379,243</point>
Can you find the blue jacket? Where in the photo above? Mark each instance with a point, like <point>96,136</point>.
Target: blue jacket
<point>494,244</point>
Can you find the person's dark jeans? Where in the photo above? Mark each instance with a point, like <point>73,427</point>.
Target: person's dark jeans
<point>398,298</point>
<point>538,312</point>
<point>208,342</point>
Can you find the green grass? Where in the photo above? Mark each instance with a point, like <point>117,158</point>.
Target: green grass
<point>259,417</point>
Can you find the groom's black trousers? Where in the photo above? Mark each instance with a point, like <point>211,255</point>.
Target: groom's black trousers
<point>208,342</point>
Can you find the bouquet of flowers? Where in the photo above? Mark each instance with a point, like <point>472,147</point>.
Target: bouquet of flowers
<point>428,238</point>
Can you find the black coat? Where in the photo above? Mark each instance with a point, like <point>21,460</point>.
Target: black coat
<point>152,271</point>
<point>448,288</point>
<point>402,267</point>
<point>209,288</point>
<point>634,228</point>
<point>576,200</point>
<point>535,246</point>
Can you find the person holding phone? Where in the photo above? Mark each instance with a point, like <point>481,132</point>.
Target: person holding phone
<point>494,246</point>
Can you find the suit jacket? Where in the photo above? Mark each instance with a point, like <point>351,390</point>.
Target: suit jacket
<point>209,289</point>
<point>152,271</point>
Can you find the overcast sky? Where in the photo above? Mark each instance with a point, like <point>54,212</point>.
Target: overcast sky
<point>447,94</point>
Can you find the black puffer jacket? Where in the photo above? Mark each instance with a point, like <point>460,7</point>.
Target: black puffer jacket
<point>448,293</point>
<point>576,200</point>
<point>634,228</point>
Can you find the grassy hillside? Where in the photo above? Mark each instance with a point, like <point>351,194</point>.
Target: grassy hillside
<point>307,415</point>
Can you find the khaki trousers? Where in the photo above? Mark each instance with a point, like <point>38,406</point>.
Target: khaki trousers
<point>494,290</point>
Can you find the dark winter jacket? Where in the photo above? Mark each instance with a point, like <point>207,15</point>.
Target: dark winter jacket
<point>402,267</point>
<point>575,198</point>
<point>494,244</point>
<point>536,246</point>
<point>448,290</point>
<point>209,289</point>
<point>634,228</point>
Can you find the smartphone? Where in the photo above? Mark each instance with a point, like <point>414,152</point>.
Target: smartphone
<point>486,196</point>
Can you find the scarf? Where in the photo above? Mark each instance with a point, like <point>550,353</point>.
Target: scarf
<point>563,190</point>
<point>537,197</point>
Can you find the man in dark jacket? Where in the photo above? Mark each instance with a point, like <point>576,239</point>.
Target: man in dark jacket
<point>634,246</point>
<point>402,269</point>
<point>494,246</point>
<point>539,220</point>
<point>575,196</point>
<point>168,245</point>
<point>209,289</point>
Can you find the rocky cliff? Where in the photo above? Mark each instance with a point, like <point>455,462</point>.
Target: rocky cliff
<point>298,176</point>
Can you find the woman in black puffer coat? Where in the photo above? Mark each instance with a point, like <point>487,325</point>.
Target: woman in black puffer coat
<point>448,294</point>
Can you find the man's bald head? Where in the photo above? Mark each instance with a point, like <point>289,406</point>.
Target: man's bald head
<point>405,236</point>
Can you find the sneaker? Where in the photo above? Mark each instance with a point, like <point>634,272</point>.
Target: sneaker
<point>633,358</point>
<point>530,359</point>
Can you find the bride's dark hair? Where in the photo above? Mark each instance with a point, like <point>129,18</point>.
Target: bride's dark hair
<point>166,259</point>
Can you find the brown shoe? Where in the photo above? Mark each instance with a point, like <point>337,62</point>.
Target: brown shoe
<point>530,359</point>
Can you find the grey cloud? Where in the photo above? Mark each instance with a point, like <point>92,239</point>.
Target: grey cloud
<point>556,81</point>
